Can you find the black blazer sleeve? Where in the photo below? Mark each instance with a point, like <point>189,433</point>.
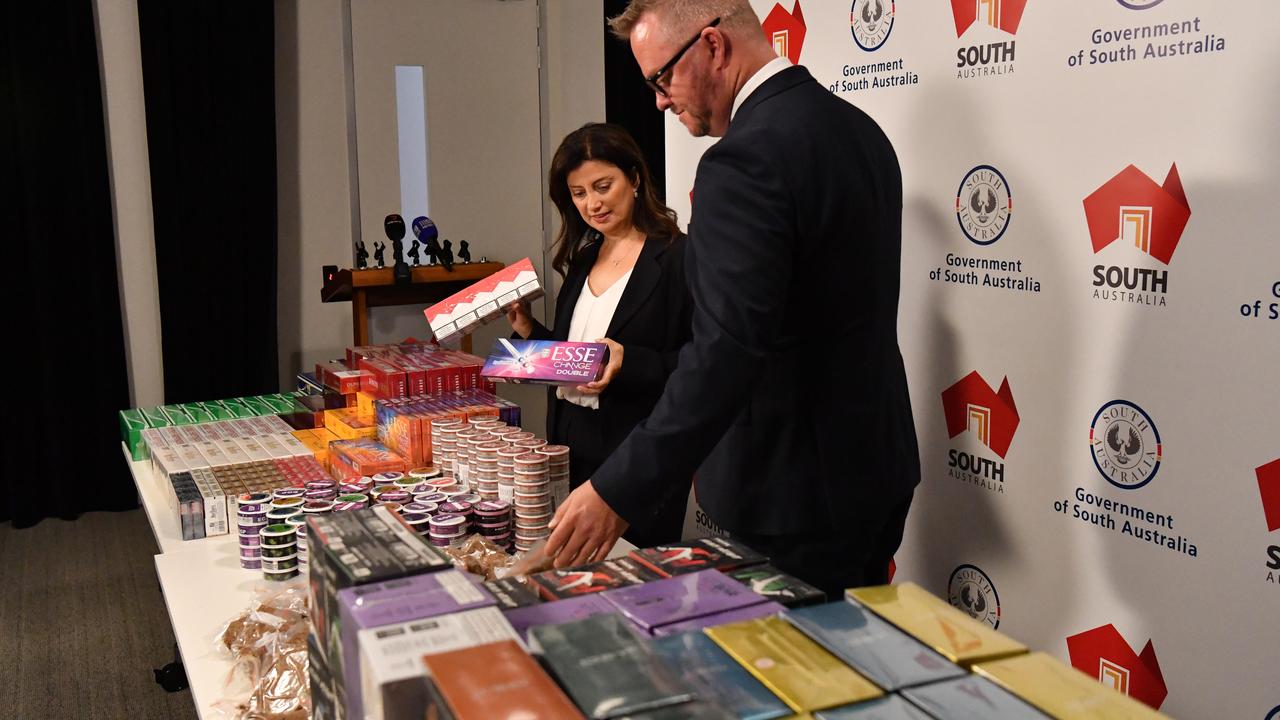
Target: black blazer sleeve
<point>742,223</point>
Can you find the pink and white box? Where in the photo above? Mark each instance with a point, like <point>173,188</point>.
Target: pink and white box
<point>484,300</point>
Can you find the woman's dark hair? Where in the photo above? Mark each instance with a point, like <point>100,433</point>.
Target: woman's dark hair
<point>612,144</point>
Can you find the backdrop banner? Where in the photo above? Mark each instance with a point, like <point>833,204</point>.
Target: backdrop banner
<point>1090,316</point>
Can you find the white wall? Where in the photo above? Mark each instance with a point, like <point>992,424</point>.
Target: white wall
<point>125,119</point>
<point>313,186</point>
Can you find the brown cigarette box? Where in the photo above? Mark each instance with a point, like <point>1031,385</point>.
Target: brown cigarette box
<point>497,681</point>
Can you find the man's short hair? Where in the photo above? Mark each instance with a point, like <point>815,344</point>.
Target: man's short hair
<point>679,18</point>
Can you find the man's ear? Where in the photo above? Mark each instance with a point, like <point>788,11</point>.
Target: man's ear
<point>719,44</point>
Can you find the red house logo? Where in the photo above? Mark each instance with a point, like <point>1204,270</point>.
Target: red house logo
<point>1269,486</point>
<point>971,404</point>
<point>785,31</point>
<point>1131,207</point>
<point>1103,653</point>
<point>1002,14</point>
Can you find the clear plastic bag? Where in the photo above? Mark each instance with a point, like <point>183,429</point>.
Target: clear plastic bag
<point>267,646</point>
<point>478,555</point>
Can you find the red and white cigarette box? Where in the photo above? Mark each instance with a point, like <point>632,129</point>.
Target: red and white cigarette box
<point>483,301</point>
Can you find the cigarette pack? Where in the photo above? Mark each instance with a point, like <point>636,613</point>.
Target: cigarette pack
<point>308,383</point>
<point>511,593</point>
<point>391,666</point>
<point>155,417</point>
<point>497,680</point>
<point>796,669</point>
<point>715,677</point>
<point>934,622</point>
<point>359,547</point>
<point>383,380</point>
<point>191,456</point>
<point>363,457</point>
<point>232,452</point>
<point>348,424</point>
<point>253,449</point>
<point>772,583</point>
<point>214,502</point>
<point>324,696</point>
<point>132,423</point>
<point>716,553</point>
<point>545,362</point>
<point>693,710</point>
<point>750,612</point>
<point>887,656</point>
<point>258,405</point>
<point>151,438</point>
<point>971,696</point>
<point>607,670</point>
<point>338,377</point>
<point>176,414</point>
<point>165,461</point>
<point>593,578</point>
<point>391,602</point>
<point>891,707</point>
<point>1060,690</point>
<point>484,300</point>
<point>554,613</point>
<point>676,599</point>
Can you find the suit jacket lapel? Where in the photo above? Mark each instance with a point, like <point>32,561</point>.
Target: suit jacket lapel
<point>644,278</point>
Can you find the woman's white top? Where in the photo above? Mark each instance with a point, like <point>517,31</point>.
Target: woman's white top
<point>591,318</point>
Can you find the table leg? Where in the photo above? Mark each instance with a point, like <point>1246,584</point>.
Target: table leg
<point>359,317</point>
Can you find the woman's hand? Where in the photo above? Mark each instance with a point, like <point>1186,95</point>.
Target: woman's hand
<point>610,370</point>
<point>521,321</point>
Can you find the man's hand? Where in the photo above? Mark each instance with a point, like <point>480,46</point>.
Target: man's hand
<point>610,369</point>
<point>584,529</point>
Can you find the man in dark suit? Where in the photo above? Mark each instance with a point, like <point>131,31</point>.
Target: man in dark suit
<point>793,264</point>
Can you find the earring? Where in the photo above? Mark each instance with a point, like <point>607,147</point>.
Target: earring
<point>635,193</point>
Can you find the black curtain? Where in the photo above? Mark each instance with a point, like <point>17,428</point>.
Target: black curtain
<point>630,103</point>
<point>209,73</point>
<point>65,375</point>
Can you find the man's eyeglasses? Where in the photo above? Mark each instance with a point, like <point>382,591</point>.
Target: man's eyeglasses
<point>652,80</point>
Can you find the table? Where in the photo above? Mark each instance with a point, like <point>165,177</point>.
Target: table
<point>376,287</point>
<point>204,587</point>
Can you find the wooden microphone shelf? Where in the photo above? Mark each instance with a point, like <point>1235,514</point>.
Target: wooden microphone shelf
<point>376,287</point>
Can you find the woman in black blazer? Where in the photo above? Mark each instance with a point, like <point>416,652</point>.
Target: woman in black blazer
<point>622,258</point>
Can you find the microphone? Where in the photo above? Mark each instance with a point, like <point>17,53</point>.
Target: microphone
<point>427,232</point>
<point>424,229</point>
<point>393,225</point>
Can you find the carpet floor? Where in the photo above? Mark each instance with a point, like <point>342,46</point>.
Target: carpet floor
<point>84,622</point>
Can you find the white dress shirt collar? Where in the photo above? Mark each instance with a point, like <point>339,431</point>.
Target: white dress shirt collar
<point>768,70</point>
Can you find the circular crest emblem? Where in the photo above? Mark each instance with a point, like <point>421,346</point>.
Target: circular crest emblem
<point>1125,444</point>
<point>1139,4</point>
<point>970,590</point>
<point>984,205</point>
<point>871,21</point>
<point>1274,714</point>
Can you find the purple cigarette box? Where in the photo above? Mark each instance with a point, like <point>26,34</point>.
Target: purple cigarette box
<point>545,362</point>
<point>751,612</point>
<point>391,602</point>
<point>555,613</point>
<point>680,598</point>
